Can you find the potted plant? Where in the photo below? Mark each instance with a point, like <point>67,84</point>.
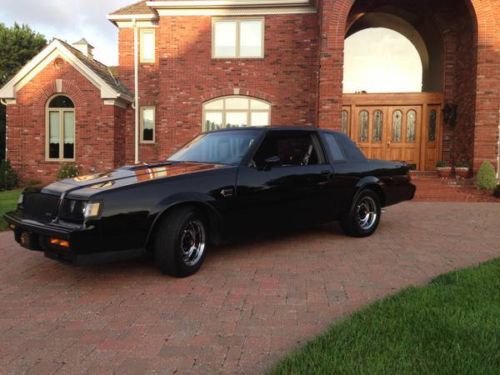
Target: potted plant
<point>443,169</point>
<point>462,169</point>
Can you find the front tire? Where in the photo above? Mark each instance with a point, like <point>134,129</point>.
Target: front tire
<point>181,242</point>
<point>364,215</point>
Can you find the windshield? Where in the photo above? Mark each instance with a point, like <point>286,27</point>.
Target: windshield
<point>227,147</point>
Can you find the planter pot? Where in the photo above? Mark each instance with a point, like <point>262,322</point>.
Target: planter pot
<point>443,172</point>
<point>462,172</point>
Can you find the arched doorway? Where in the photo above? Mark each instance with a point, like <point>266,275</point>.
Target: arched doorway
<point>409,124</point>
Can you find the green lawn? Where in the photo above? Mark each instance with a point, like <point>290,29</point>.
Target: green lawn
<point>451,326</point>
<point>8,201</point>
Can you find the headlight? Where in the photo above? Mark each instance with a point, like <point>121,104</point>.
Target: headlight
<point>78,211</point>
<point>91,210</point>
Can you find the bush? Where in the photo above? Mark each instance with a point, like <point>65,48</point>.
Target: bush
<point>68,170</point>
<point>486,179</point>
<point>442,164</point>
<point>8,177</point>
<point>462,164</point>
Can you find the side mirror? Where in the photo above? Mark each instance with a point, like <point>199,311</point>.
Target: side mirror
<point>271,162</point>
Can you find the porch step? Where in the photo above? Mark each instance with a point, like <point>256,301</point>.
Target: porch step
<point>431,188</point>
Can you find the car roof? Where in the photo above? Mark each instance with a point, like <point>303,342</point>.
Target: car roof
<point>273,127</point>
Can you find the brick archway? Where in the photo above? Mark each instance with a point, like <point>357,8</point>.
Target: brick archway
<point>470,67</point>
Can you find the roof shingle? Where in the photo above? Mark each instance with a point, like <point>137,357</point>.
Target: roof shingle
<point>103,71</point>
<point>136,8</point>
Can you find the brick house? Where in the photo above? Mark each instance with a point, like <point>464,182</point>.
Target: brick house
<point>202,64</point>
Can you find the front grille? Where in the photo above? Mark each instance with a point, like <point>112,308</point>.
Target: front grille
<point>39,206</point>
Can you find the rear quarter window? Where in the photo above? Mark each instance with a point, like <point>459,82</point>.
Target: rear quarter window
<point>334,149</point>
<point>349,148</point>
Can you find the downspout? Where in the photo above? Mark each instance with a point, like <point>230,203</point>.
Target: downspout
<point>136,89</point>
<point>498,148</point>
<point>4,102</point>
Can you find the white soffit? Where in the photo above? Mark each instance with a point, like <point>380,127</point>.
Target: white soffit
<point>231,7</point>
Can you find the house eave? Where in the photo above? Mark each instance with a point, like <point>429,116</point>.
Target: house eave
<point>9,91</point>
<point>226,4</point>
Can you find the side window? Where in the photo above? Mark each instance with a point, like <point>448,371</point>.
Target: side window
<point>293,148</point>
<point>349,148</point>
<point>334,148</point>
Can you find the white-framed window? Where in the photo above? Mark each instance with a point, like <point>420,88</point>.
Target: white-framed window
<point>238,38</point>
<point>148,124</point>
<point>148,46</point>
<point>60,129</point>
<point>235,111</point>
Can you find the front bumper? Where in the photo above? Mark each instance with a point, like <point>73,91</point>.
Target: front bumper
<point>82,241</point>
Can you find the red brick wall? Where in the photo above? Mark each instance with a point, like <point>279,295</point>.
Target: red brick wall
<point>488,80</point>
<point>97,125</point>
<point>185,76</point>
<point>301,76</point>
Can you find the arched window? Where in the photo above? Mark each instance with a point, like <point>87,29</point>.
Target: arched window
<point>235,111</point>
<point>378,126</point>
<point>60,134</point>
<point>345,122</point>
<point>363,126</point>
<point>397,126</point>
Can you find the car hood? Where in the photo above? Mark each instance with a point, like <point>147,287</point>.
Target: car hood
<point>91,184</point>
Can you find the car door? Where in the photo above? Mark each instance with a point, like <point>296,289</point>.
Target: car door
<point>285,182</point>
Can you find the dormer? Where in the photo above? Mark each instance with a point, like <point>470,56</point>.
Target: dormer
<point>84,47</point>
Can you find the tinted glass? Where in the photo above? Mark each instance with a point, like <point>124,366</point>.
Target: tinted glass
<point>334,148</point>
<point>351,151</point>
<point>61,102</point>
<point>228,147</point>
<point>293,148</point>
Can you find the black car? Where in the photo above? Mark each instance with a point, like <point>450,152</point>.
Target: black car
<point>215,186</point>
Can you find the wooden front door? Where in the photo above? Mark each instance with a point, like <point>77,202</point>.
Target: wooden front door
<point>395,127</point>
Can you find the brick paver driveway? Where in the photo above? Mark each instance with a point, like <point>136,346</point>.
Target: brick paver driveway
<point>249,305</point>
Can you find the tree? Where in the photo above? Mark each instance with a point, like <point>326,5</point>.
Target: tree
<point>18,45</point>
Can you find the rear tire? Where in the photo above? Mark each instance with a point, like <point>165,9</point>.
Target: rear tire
<point>181,242</point>
<point>364,215</point>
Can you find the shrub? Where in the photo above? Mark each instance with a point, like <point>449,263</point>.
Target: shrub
<point>462,164</point>
<point>34,182</point>
<point>68,170</point>
<point>442,164</point>
<point>8,177</point>
<point>486,179</point>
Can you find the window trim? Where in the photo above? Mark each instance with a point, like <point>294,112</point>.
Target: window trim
<point>142,59</point>
<point>224,111</point>
<point>238,21</point>
<point>142,141</point>
<point>60,111</point>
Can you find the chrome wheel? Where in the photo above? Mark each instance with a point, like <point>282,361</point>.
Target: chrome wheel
<point>192,242</point>
<point>366,213</point>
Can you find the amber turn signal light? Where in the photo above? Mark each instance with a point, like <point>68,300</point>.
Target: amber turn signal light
<point>58,242</point>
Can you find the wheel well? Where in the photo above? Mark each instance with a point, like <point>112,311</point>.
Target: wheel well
<point>377,190</point>
<point>213,224</point>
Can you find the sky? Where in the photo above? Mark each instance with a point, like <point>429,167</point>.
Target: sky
<point>69,20</point>
<point>381,60</point>
<point>376,60</point>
